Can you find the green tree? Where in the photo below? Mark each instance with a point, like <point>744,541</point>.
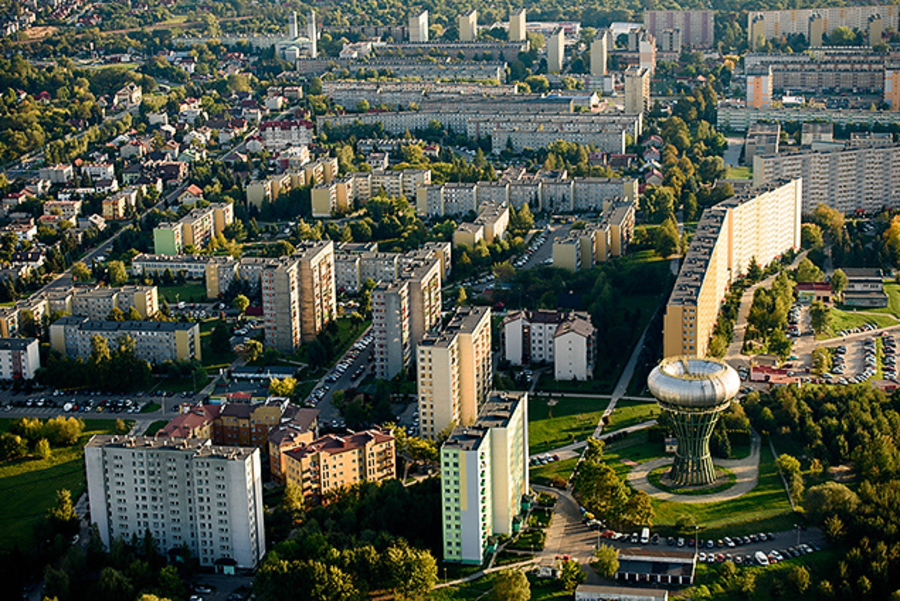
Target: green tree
<point>62,515</point>
<point>504,272</point>
<point>606,561</point>
<point>113,585</point>
<point>810,236</point>
<point>571,575</point>
<point>821,360</point>
<point>461,298</point>
<point>808,272</point>
<point>12,446</point>
<point>798,578</point>
<point>284,387</point>
<point>241,303</point>
<point>667,238</point>
<point>411,573</point>
<point>220,337</point>
<point>80,272</point>
<point>510,585</point>
<point>838,282</point>
<point>829,499</point>
<point>780,345</point>
<point>819,316</point>
<point>117,273</point>
<point>292,501</point>
<point>42,449</point>
<point>252,350</point>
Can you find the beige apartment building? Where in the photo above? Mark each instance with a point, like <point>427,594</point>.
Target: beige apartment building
<point>196,228</point>
<point>697,26</point>
<point>814,22</point>
<point>155,341</point>
<point>597,241</point>
<point>758,223</point>
<point>454,371</point>
<point>490,226</point>
<point>333,462</point>
<point>851,179</point>
<point>637,89</point>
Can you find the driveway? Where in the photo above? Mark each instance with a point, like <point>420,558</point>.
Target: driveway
<point>746,471</point>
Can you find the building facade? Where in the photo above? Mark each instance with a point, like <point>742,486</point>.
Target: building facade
<point>19,358</point>
<point>155,341</point>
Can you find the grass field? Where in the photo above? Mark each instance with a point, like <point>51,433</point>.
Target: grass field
<point>155,427</point>
<point>545,590</point>
<point>189,292</point>
<point>843,320</point>
<point>892,289</point>
<point>569,420</point>
<point>28,486</point>
<point>545,474</point>
<point>629,413</point>
<point>738,172</point>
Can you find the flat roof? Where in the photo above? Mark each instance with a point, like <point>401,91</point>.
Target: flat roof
<point>496,412</point>
<point>199,446</point>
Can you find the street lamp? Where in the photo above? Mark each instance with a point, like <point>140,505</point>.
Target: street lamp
<point>798,527</point>
<point>696,540</point>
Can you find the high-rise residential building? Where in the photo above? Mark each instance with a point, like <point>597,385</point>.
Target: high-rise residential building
<point>468,26</point>
<point>637,89</point>
<point>155,341</point>
<point>333,462</point>
<point>298,294</point>
<point>566,339</point>
<point>600,52</point>
<point>759,86</point>
<point>454,371</point>
<point>758,224</point>
<point>312,34</point>
<point>293,31</point>
<point>876,29</point>
<point>517,26</point>
<point>403,311</point>
<point>765,25</point>
<point>670,40</point>
<point>418,27</point>
<point>187,493</point>
<point>697,26</point>
<point>556,51</point>
<point>850,179</point>
<point>484,477</point>
<point>19,358</point>
<point>892,85</point>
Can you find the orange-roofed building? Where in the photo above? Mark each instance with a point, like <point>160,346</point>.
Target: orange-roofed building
<point>196,421</point>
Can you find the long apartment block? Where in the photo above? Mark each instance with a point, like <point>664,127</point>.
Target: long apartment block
<point>401,93</point>
<point>261,191</point>
<point>354,263</point>
<point>813,23</point>
<point>490,225</point>
<point>757,224</point>
<point>852,179</point>
<point>186,492</point>
<point>194,229</point>
<point>355,189</point>
<point>484,478</point>
<point>741,118</point>
<point>155,341</point>
<point>545,190</point>
<point>823,70</point>
<point>454,372</point>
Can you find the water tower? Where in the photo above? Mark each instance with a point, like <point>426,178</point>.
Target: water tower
<point>694,392</point>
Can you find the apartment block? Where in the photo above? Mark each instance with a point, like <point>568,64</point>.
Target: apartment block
<point>568,340</point>
<point>454,371</point>
<point>556,51</point>
<point>517,25</point>
<point>278,135</point>
<point>597,241</point>
<point>97,303</point>
<point>468,26</point>
<point>762,139</point>
<point>740,118</point>
<point>187,493</point>
<point>637,89</point>
<point>756,224</point>
<point>490,226</point>
<point>776,23</point>
<point>484,478</point>
<point>297,427</point>
<point>191,266</point>
<point>892,85</point>
<point>851,179</point>
<point>19,358</point>
<point>670,41</point>
<point>759,86</point>
<point>155,342</point>
<point>194,229</point>
<point>333,462</point>
<point>418,27</point>
<point>825,69</point>
<point>600,52</point>
<point>697,26</point>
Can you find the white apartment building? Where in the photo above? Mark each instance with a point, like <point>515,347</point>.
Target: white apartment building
<point>278,135</point>
<point>19,358</point>
<point>186,492</point>
<point>418,27</point>
<point>484,477</point>
<point>567,340</point>
<point>852,179</point>
<point>453,371</point>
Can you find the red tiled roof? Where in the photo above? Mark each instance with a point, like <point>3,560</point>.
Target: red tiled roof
<point>182,425</point>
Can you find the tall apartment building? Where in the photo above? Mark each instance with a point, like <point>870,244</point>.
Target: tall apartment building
<point>403,311</point>
<point>643,43</point>
<point>697,26</point>
<point>556,51</point>
<point>333,462</point>
<point>490,225</point>
<point>600,52</point>
<point>830,69</point>
<point>566,339</point>
<point>468,26</point>
<point>765,25</point>
<point>517,26</point>
<point>299,296</point>
<point>637,89</point>
<point>759,86</point>
<point>892,85</point>
<point>19,358</point>
<point>670,41</point>
<point>757,224</point>
<point>851,179</point>
<point>155,341</point>
<point>484,477</point>
<point>187,493</point>
<point>454,372</point>
<point>196,228</point>
<point>418,27</point>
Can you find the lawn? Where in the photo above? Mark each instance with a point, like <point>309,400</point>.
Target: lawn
<point>189,292</point>
<point>892,289</point>
<point>844,320</point>
<point>155,427</point>
<point>738,173</point>
<point>571,419</point>
<point>28,486</point>
<point>546,474</point>
<point>629,413</point>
